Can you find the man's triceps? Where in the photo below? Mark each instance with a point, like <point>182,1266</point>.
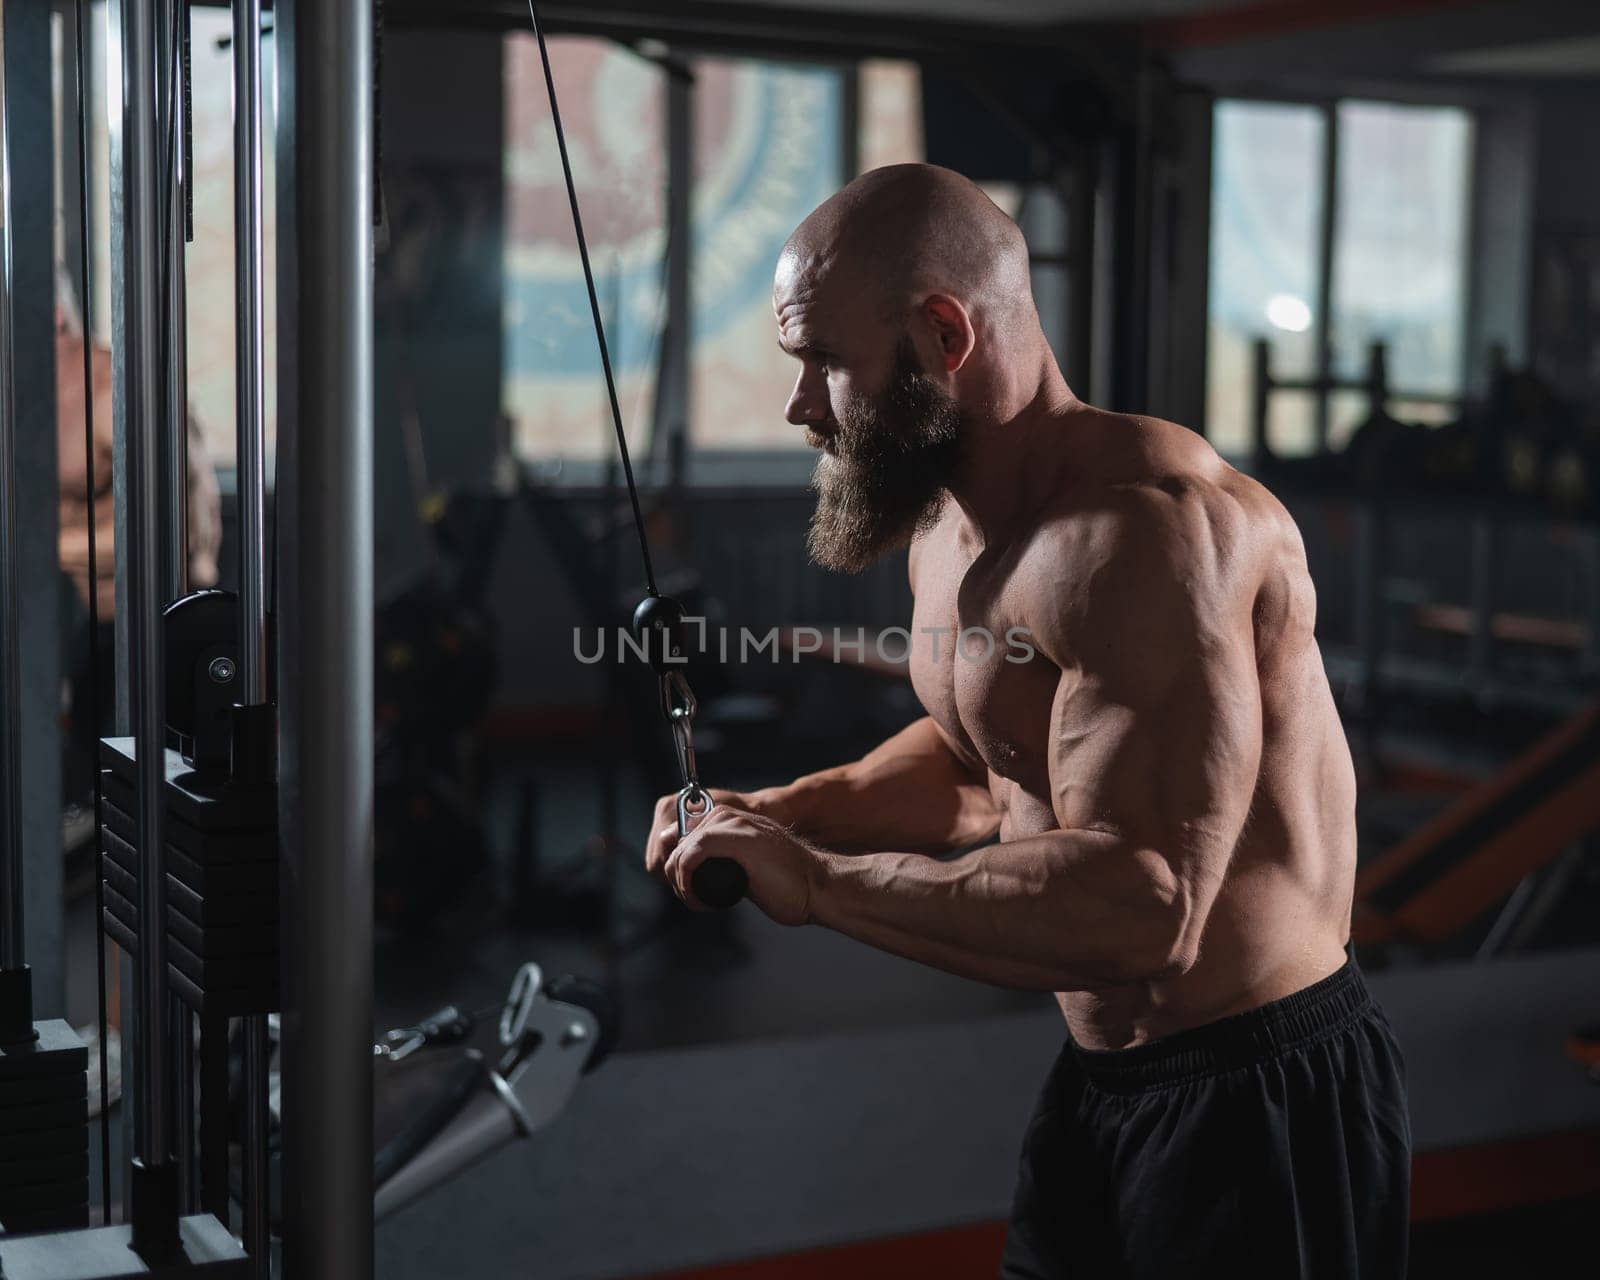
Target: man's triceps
<point>1166,758</point>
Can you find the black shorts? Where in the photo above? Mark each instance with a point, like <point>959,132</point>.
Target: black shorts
<point>1274,1143</point>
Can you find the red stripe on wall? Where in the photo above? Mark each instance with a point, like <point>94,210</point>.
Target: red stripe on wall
<point>960,1253</point>
<point>1504,1175</point>
<point>1274,17</point>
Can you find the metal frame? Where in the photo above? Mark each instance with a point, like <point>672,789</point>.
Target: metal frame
<point>32,884</point>
<point>138,252</point>
<point>325,668</point>
<point>327,188</point>
<point>249,255</point>
<point>13,950</point>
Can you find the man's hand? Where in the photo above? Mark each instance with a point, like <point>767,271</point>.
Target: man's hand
<point>782,870</point>
<point>664,830</point>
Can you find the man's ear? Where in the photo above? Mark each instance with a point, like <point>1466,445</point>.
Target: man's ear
<point>951,327</point>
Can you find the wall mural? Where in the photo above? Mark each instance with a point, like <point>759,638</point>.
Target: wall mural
<point>767,151</point>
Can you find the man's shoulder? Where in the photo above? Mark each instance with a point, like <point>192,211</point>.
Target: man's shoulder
<point>1157,532</point>
<point>1146,488</point>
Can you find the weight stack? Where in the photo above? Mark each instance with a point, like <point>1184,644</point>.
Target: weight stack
<point>222,881</point>
<point>44,1131</point>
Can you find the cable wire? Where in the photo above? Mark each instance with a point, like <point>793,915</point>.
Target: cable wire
<point>594,301</point>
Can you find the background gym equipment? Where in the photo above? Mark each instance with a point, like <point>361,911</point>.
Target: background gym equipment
<point>191,831</point>
<point>1517,839</point>
<point>43,1089</point>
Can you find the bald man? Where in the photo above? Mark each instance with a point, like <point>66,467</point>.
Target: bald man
<point>1162,764</point>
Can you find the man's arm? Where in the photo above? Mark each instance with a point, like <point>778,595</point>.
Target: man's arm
<point>912,790</point>
<point>1155,744</point>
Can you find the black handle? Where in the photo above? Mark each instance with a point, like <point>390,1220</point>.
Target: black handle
<point>720,883</point>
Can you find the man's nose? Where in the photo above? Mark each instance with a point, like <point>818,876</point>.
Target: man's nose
<point>808,403</point>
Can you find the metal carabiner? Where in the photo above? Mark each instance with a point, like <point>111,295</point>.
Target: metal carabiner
<point>694,801</point>
<point>677,698</point>
<point>525,988</point>
<point>678,701</point>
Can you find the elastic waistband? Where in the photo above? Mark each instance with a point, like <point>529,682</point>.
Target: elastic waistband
<point>1241,1040</point>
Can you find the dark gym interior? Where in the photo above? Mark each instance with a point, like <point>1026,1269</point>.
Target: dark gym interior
<point>1354,246</point>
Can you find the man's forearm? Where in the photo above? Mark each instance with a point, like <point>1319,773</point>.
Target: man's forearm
<point>1058,912</point>
<point>910,792</point>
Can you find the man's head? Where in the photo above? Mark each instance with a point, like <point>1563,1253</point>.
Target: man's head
<point>903,297</point>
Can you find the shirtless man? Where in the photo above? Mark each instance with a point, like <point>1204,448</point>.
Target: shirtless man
<point>1166,772</point>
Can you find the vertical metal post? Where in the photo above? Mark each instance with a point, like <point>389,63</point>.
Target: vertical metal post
<point>33,555</point>
<point>671,418</point>
<point>250,451</point>
<point>849,121</point>
<point>1260,403</point>
<point>13,952</point>
<point>1080,203</point>
<point>1325,251</point>
<point>1372,532</point>
<point>1107,236</point>
<point>180,1030</point>
<point>249,362</point>
<point>215,1195</point>
<point>171,68</point>
<point>1129,157</point>
<point>1378,378</point>
<point>169,45</point>
<point>257,1182</point>
<point>325,666</point>
<point>1480,641</point>
<point>154,1207</point>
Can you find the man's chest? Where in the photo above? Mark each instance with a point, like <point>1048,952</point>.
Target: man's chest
<point>977,672</point>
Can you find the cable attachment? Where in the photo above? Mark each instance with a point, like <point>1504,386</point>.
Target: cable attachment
<point>679,705</point>
<point>678,702</point>
<point>658,627</point>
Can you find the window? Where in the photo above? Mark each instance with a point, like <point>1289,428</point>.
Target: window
<point>612,109</point>
<point>1321,275</point>
<point>209,267</point>
<point>1264,229</point>
<point>1400,249</point>
<point>209,262</point>
<point>890,96</point>
<point>768,144</point>
<point>768,147</point>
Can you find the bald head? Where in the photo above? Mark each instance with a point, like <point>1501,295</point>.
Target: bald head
<point>907,230</point>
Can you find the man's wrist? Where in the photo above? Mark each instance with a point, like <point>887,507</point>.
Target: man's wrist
<point>777,803</point>
<point>820,879</point>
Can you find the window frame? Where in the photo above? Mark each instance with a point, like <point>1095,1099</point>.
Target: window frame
<point>1322,384</point>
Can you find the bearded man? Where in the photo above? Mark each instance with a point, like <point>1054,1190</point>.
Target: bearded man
<point>1164,784</point>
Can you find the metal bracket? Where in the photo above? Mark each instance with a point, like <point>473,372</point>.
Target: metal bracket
<point>513,1106</point>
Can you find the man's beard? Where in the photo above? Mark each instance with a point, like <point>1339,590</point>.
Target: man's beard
<point>894,455</point>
